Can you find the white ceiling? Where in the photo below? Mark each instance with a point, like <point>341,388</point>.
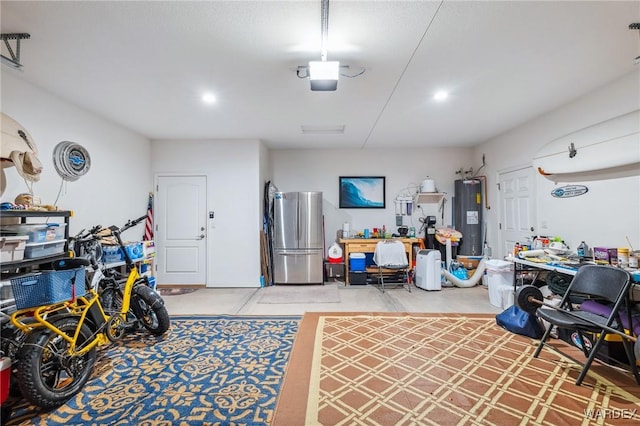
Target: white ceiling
<point>145,64</point>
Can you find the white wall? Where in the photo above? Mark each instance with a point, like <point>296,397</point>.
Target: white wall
<point>117,185</point>
<point>610,211</point>
<point>234,190</point>
<point>404,169</point>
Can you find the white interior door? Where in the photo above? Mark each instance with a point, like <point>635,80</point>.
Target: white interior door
<point>517,215</point>
<point>181,231</point>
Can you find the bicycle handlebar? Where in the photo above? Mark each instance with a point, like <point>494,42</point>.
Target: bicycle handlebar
<point>133,223</point>
<point>129,224</point>
<point>91,234</point>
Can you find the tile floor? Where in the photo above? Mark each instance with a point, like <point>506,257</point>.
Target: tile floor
<point>360,298</point>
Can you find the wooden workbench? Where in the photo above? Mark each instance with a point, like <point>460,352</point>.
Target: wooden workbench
<point>368,245</point>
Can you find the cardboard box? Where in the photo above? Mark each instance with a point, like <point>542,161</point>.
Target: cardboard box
<point>469,262</point>
<point>601,255</point>
<point>605,255</point>
<point>148,249</point>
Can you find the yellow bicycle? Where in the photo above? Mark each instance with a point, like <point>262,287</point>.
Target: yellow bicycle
<point>57,357</point>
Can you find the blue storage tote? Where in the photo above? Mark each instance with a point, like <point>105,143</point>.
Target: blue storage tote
<point>357,262</point>
<point>47,287</point>
<point>112,254</point>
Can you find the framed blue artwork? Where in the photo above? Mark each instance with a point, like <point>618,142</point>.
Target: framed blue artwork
<point>362,192</point>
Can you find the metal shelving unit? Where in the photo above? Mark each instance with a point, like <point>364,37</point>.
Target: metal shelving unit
<point>9,270</point>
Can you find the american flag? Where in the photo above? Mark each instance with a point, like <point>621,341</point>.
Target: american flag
<point>148,226</point>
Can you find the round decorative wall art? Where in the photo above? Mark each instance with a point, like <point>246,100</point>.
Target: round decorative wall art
<point>71,160</point>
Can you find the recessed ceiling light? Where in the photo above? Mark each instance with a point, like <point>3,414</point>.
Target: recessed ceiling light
<point>209,98</point>
<point>441,95</point>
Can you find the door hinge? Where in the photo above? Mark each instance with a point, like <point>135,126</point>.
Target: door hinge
<point>157,187</point>
<point>498,186</point>
<point>499,226</point>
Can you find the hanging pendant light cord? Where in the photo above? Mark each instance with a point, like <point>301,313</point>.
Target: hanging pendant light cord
<point>324,24</point>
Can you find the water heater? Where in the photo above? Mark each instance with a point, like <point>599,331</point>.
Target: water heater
<point>467,215</point>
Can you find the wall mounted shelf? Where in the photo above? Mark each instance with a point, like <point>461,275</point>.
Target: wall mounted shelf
<point>428,197</point>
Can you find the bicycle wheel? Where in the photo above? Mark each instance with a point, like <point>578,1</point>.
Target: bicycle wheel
<point>111,300</point>
<point>150,310</point>
<point>47,375</point>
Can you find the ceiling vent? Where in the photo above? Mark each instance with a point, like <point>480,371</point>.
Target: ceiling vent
<point>308,129</point>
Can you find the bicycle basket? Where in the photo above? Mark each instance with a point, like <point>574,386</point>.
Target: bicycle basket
<point>47,287</point>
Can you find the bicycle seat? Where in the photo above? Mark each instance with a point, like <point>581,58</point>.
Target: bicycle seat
<point>72,263</point>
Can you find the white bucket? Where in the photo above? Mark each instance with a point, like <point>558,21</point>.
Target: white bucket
<point>428,185</point>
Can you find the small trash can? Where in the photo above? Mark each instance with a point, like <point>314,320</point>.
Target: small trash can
<point>500,282</point>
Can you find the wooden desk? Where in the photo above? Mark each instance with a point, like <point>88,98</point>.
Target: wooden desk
<point>362,245</point>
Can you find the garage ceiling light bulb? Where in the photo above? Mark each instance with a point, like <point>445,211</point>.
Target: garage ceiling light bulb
<point>209,98</point>
<point>441,95</point>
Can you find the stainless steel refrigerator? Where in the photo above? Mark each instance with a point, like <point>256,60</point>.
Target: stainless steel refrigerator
<point>297,238</point>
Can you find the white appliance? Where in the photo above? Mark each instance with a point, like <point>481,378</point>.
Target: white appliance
<point>429,269</point>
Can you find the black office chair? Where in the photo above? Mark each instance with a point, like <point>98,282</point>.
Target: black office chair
<point>607,285</point>
<point>390,255</point>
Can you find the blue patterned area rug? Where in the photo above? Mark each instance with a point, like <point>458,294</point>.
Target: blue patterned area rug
<point>214,370</point>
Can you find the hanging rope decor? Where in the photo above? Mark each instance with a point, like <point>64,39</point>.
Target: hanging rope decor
<point>71,160</point>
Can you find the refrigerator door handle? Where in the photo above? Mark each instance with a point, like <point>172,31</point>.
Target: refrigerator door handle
<point>297,252</point>
<point>298,221</point>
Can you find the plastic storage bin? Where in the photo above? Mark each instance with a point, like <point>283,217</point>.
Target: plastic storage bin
<point>37,232</point>
<point>112,254</point>
<point>48,248</point>
<point>357,277</point>
<point>357,262</point>
<point>12,248</point>
<point>44,288</point>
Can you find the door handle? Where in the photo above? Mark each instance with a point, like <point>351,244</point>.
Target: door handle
<point>200,237</point>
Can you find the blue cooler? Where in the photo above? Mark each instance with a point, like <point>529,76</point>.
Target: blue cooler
<point>357,262</point>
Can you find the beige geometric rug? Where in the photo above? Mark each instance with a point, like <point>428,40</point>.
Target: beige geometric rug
<point>442,369</point>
